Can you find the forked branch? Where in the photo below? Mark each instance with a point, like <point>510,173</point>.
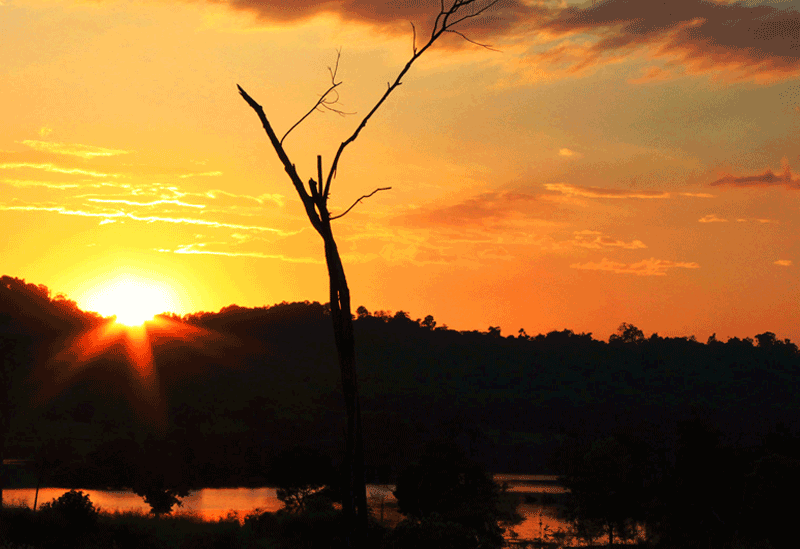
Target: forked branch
<point>441,25</point>
<point>323,102</point>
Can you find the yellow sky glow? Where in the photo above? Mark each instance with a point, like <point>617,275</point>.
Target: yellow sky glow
<point>582,176</point>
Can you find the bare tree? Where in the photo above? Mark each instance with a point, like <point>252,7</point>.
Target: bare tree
<point>315,201</point>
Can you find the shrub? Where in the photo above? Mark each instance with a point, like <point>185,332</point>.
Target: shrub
<point>71,516</point>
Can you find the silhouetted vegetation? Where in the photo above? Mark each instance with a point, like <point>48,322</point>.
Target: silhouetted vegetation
<point>689,442</point>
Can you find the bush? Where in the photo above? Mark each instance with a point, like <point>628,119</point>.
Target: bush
<point>69,517</point>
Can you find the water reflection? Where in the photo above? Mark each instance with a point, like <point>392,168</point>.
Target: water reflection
<point>215,503</point>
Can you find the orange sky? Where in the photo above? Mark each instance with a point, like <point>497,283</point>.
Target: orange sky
<point>625,161</point>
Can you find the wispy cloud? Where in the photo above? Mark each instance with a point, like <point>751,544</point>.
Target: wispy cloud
<point>652,74</point>
<point>53,168</point>
<point>766,179</point>
<point>119,215</point>
<point>153,203</point>
<point>199,249</point>
<point>485,209</point>
<point>203,174</point>
<point>598,192</point>
<point>647,267</point>
<point>712,218</point>
<point>569,153</point>
<point>784,262</point>
<point>73,149</point>
<point>596,240</point>
<point>22,183</point>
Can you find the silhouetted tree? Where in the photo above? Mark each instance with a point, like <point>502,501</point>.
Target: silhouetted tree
<point>162,478</point>
<point>445,488</point>
<point>627,333</point>
<point>303,477</point>
<point>315,202</point>
<point>605,484</point>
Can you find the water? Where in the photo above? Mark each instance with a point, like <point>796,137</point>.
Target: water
<point>216,503</point>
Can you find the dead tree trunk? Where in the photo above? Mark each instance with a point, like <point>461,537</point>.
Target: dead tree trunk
<point>315,202</point>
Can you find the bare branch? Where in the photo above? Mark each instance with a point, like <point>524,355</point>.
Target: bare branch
<point>414,38</point>
<point>357,201</point>
<point>323,102</point>
<point>487,46</point>
<point>441,25</point>
<point>284,158</point>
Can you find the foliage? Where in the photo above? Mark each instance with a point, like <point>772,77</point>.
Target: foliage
<point>161,477</point>
<point>303,478</point>
<point>605,482</point>
<point>72,515</point>
<point>446,487</point>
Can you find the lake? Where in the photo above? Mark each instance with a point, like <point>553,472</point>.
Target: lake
<point>216,503</point>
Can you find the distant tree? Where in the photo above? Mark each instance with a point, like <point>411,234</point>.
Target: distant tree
<point>445,487</point>
<point>428,322</point>
<point>493,331</point>
<point>304,478</point>
<point>162,477</point>
<point>605,484</point>
<point>315,202</point>
<point>362,312</point>
<point>627,333</point>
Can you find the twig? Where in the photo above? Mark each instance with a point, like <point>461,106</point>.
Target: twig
<point>357,201</point>
<point>321,102</point>
<point>487,46</point>
<point>441,25</point>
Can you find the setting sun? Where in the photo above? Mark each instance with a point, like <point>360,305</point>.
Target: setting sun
<point>132,300</point>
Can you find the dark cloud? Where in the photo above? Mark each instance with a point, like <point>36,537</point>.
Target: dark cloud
<point>766,179</point>
<point>747,42</point>
<point>507,16</point>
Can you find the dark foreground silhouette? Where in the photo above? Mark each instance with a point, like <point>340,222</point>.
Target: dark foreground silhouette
<point>697,443</point>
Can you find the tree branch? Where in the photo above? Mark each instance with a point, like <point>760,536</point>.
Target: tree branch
<point>321,102</point>
<point>284,158</point>
<point>441,25</point>
<point>357,201</point>
<point>487,46</point>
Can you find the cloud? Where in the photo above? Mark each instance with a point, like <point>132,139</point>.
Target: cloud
<point>52,168</point>
<point>486,208</point>
<point>153,203</point>
<point>83,151</point>
<point>44,131</point>
<point>568,153</point>
<point>766,179</point>
<point>712,218</point>
<point>784,262</point>
<point>597,192</point>
<point>119,215</point>
<point>507,17</point>
<point>647,267</point>
<point>759,43</point>
<point>697,195</point>
<point>197,249</point>
<point>652,74</point>
<point>203,174</point>
<point>596,240</point>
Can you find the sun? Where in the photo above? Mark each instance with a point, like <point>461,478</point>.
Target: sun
<point>132,299</point>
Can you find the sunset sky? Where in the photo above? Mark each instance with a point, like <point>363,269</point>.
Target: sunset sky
<point>624,161</point>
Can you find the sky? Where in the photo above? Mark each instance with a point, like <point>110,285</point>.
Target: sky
<point>603,162</point>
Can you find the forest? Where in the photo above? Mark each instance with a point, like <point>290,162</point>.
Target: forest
<point>697,440</point>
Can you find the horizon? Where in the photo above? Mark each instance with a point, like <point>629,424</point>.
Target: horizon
<point>389,314</point>
<point>612,162</point>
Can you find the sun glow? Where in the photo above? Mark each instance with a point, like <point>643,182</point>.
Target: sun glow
<point>133,300</point>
